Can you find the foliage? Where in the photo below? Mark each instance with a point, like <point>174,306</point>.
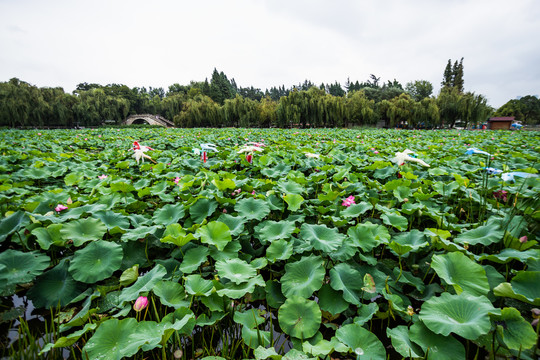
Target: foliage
<point>262,259</point>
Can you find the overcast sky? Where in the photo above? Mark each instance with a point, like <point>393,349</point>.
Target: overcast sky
<point>265,43</point>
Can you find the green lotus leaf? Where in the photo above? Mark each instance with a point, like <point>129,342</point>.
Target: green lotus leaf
<point>462,273</point>
<point>273,230</point>
<point>235,223</point>
<point>524,287</point>
<point>280,169</point>
<point>249,318</point>
<point>299,317</point>
<point>20,268</point>
<point>255,337</point>
<point>331,300</point>
<point>48,236</point>
<point>168,214</point>
<point>175,234</point>
<point>343,277</point>
<point>279,250</point>
<point>290,187</point>
<point>121,186</point>
<point>438,347</point>
<point>193,258</point>
<point>236,291</point>
<point>236,270</point>
<point>262,353</point>
<point>129,276</point>
<point>83,230</point>
<point>259,263</point>
<point>402,192</point>
<point>516,332</point>
<point>402,343</point>
<point>115,339</point>
<point>68,340</point>
<point>322,237</point>
<point>12,223</point>
<point>224,184</point>
<point>144,283</point>
<point>323,347</point>
<point>55,287</point>
<point>113,219</point>
<point>465,315</point>
<point>356,209</point>
<point>96,262</point>
<point>367,236</point>
<point>274,296</point>
<point>485,235</point>
<point>365,313</point>
<point>196,285</point>
<point>171,293</point>
<point>252,209</point>
<point>303,277</point>
<point>408,241</point>
<point>362,342</point>
<point>396,220</point>
<point>230,251</point>
<point>384,172</point>
<point>293,201</point>
<point>215,233</point>
<point>507,255</point>
<point>202,209</point>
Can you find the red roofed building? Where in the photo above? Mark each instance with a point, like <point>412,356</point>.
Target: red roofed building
<point>500,123</point>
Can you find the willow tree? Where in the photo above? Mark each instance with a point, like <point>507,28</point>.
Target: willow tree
<point>359,109</point>
<point>473,109</point>
<point>267,112</point>
<point>426,114</point>
<point>240,112</point>
<point>400,110</point>
<point>449,107</point>
<point>200,111</point>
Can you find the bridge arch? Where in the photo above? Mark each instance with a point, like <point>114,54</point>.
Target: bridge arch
<point>149,119</point>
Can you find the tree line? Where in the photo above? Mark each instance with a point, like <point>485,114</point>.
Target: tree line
<point>220,102</point>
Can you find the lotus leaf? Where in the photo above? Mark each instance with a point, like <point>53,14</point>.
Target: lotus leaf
<point>396,220</point>
<point>235,224</point>
<point>252,209</point>
<point>215,233</point>
<point>113,220</point>
<point>168,214</point>
<point>236,291</point>
<point>321,237</point>
<point>249,318</point>
<point>193,258</point>
<point>465,315</point>
<point>175,234</point>
<point>293,201</point>
<point>304,277</point>
<point>48,236</point>
<point>361,342</point>
<point>402,343</point>
<point>55,287</point>
<point>524,287</point>
<point>347,279</point>
<point>255,337</point>
<point>196,285</point>
<point>202,209</point>
<point>367,236</point>
<point>12,223</point>
<point>461,272</point>
<point>299,317</point>
<point>171,293</point>
<point>96,262</point>
<point>273,230</point>
<point>144,283</point>
<point>438,347</point>
<point>19,268</point>
<point>331,300</point>
<point>356,210</point>
<point>83,230</point>
<point>279,250</point>
<point>485,235</point>
<point>236,270</point>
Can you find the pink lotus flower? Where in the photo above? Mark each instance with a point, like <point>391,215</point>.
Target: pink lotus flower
<point>523,239</point>
<point>501,195</point>
<point>348,201</point>
<point>60,207</point>
<point>176,180</point>
<point>101,177</point>
<point>140,303</point>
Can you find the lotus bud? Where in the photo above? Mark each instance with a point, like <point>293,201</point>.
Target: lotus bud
<point>60,207</point>
<point>140,303</point>
<point>178,354</point>
<point>523,239</point>
<point>410,310</point>
<point>249,158</point>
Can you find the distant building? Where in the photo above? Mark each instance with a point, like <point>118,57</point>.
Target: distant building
<point>500,123</point>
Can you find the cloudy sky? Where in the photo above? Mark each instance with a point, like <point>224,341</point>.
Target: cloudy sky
<point>265,43</point>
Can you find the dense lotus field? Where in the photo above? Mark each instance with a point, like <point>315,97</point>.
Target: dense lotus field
<point>282,244</point>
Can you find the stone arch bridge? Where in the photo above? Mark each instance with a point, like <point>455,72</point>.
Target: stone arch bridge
<point>149,119</point>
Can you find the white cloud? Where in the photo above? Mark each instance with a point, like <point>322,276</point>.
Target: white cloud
<point>264,43</point>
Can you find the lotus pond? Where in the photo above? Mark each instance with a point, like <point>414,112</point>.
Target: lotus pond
<point>314,246</point>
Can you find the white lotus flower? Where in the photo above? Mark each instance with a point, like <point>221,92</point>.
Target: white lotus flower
<point>249,149</point>
<point>312,156</point>
<point>401,157</point>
